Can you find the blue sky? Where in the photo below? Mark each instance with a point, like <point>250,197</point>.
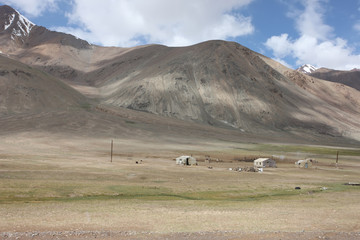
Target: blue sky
<point>324,33</point>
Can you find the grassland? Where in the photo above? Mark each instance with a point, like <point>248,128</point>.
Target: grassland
<point>70,184</point>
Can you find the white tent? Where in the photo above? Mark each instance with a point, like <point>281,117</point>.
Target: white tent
<point>186,160</point>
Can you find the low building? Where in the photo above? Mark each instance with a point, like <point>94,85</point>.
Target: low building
<point>186,160</point>
<point>264,162</point>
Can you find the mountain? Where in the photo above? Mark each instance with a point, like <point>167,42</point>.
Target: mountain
<point>26,89</point>
<point>17,32</point>
<point>214,83</point>
<point>221,83</point>
<point>307,69</point>
<point>349,78</point>
<point>14,24</point>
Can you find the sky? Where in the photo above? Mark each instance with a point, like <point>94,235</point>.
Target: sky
<point>323,33</point>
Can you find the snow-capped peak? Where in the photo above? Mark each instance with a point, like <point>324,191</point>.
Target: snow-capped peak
<point>23,26</point>
<point>15,23</point>
<point>307,68</point>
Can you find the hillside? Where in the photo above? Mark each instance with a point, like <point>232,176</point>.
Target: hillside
<point>349,78</point>
<point>26,89</point>
<point>223,83</point>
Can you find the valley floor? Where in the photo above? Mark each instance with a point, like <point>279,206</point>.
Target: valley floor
<point>65,187</point>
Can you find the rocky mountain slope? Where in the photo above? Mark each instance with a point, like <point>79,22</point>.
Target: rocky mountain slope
<point>349,78</point>
<point>222,83</point>
<point>214,83</point>
<point>26,89</point>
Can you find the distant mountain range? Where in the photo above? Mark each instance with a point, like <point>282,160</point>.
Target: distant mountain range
<point>350,78</point>
<point>216,83</point>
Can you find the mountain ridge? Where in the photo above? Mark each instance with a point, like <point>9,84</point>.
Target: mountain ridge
<point>216,83</point>
<point>16,31</point>
<point>349,78</point>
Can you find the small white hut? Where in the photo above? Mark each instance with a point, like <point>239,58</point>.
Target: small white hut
<point>264,162</point>
<point>186,160</point>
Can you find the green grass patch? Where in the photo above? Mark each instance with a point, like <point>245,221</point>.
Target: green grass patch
<point>86,106</point>
<point>306,149</point>
<point>68,193</point>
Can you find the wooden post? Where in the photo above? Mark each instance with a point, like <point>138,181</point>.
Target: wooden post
<point>111,150</point>
<point>337,158</point>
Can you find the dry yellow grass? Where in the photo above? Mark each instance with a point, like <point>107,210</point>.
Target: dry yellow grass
<point>69,184</point>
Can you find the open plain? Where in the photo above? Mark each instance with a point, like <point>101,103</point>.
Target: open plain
<point>62,185</point>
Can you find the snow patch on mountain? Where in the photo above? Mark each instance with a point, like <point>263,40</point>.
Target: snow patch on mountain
<point>307,69</point>
<point>11,19</point>
<point>19,26</point>
<point>24,26</point>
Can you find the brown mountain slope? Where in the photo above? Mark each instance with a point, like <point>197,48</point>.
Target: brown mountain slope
<point>26,89</point>
<point>223,83</point>
<point>333,104</point>
<point>349,78</point>
<point>217,83</point>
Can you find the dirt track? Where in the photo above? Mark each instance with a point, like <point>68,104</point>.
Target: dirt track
<point>196,235</point>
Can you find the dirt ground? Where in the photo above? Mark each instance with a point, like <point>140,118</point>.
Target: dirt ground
<point>57,187</point>
<point>228,235</point>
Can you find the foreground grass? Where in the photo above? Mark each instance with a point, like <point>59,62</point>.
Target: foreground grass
<point>69,188</point>
<point>43,179</point>
<point>331,211</point>
<point>36,187</point>
<point>146,193</point>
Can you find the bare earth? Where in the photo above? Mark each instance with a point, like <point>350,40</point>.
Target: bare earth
<point>227,235</point>
<point>63,187</point>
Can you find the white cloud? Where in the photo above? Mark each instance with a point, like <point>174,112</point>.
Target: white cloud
<point>316,44</point>
<point>33,7</point>
<point>310,22</point>
<point>280,45</point>
<point>174,23</point>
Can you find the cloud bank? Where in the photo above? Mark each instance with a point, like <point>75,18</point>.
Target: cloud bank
<point>127,23</point>
<point>316,44</point>
<point>173,23</point>
<point>33,8</point>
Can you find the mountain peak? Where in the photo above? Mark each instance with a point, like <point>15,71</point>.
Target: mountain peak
<point>307,69</point>
<point>15,24</point>
<point>17,29</point>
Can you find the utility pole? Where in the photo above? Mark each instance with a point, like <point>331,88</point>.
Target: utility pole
<point>111,154</point>
<point>337,158</point>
